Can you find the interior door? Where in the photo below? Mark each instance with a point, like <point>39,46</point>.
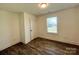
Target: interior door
<point>33,27</point>
<point>30,26</point>
<point>27,28</point>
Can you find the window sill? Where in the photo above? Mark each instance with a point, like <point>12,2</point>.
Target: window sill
<point>51,33</point>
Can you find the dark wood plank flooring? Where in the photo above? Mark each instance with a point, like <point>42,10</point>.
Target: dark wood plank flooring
<point>41,47</point>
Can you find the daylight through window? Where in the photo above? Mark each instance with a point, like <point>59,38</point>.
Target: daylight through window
<point>52,25</point>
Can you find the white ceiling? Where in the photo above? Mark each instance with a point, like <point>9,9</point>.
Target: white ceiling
<point>34,8</point>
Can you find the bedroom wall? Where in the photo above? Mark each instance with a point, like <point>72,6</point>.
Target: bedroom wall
<point>12,28</point>
<point>68,26</point>
<point>9,29</point>
<point>22,29</point>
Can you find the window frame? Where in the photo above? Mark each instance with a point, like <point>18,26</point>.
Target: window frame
<point>47,25</point>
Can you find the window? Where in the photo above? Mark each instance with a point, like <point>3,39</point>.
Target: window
<point>52,25</point>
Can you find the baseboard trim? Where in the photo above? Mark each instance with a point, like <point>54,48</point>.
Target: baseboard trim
<point>67,44</point>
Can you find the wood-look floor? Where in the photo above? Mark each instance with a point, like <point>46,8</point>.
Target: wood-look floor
<point>41,47</point>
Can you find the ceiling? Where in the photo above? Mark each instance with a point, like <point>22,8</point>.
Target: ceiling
<point>34,8</point>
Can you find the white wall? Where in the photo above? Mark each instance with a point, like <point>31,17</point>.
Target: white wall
<point>9,29</point>
<point>13,28</point>
<point>68,26</point>
<point>22,29</point>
